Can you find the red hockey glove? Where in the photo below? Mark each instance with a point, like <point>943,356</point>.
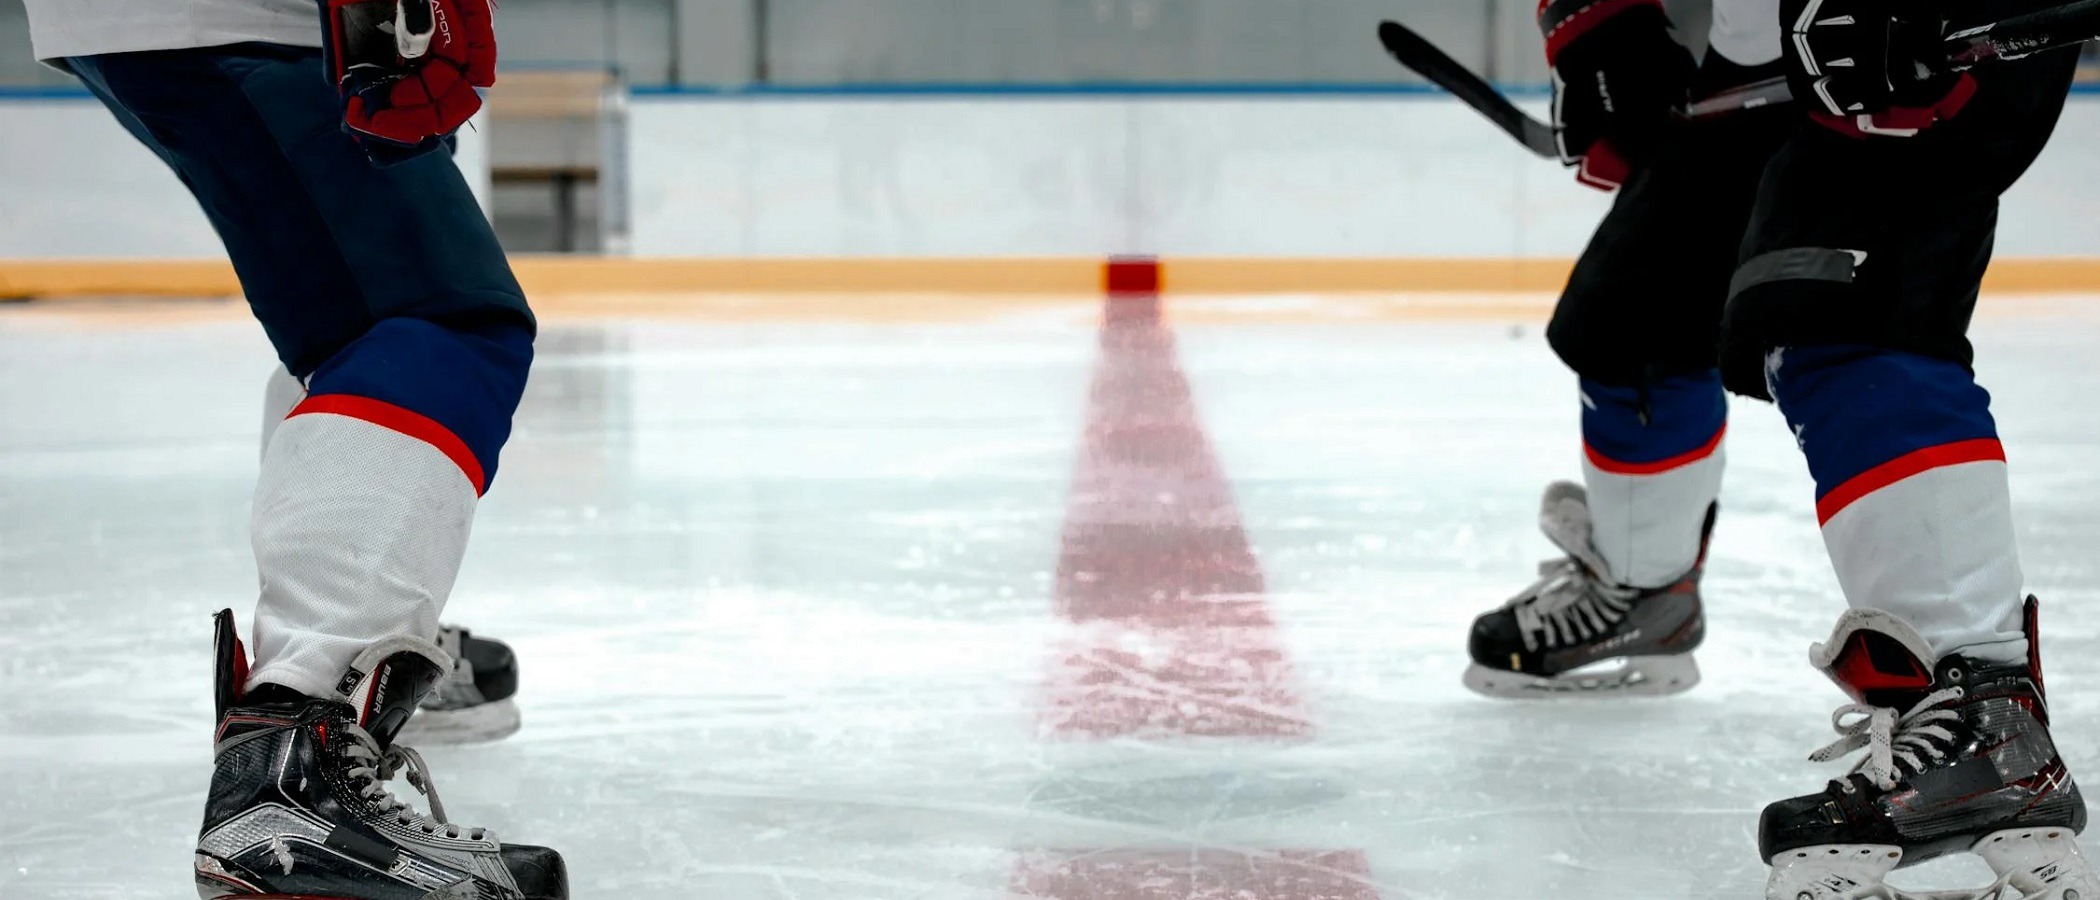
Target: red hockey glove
<point>410,70</point>
<point>1865,70</point>
<point>1618,80</point>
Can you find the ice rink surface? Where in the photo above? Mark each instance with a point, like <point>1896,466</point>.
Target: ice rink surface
<point>1006,606</point>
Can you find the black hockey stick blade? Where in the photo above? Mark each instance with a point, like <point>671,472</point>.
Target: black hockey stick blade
<point>1417,53</point>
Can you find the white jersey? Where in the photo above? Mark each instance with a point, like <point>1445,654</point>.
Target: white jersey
<point>60,28</point>
<point>1745,31</point>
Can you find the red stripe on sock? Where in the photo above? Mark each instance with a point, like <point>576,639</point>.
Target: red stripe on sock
<point>1170,635</point>
<point>1912,463</point>
<point>394,418</point>
<point>1615,467</point>
<point>1193,875</point>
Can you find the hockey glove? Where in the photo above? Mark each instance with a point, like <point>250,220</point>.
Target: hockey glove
<point>1864,69</point>
<point>409,70</point>
<point>1618,81</point>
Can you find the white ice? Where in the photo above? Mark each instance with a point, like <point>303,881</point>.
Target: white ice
<point>782,593</point>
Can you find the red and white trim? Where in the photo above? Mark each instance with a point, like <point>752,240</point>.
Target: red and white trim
<point>394,418</point>
<point>1909,464</point>
<point>1616,467</point>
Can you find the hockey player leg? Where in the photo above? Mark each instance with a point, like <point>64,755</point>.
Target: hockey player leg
<point>1620,613</point>
<point>1850,310</point>
<point>475,700</point>
<point>385,291</point>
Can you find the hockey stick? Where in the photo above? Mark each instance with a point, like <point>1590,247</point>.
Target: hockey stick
<point>1417,53</point>
<point>2022,36</point>
<point>2010,39</point>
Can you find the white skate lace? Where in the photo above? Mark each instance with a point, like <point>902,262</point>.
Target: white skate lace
<point>1568,605</point>
<point>374,768</point>
<point>1895,744</point>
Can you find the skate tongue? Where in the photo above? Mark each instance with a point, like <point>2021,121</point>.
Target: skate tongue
<point>386,682</point>
<point>1564,515</point>
<point>1877,658</point>
<point>229,663</point>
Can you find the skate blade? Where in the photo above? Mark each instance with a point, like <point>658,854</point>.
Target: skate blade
<point>1834,872</point>
<point>1637,676</point>
<point>2035,863</point>
<point>468,725</point>
<point>2039,863</point>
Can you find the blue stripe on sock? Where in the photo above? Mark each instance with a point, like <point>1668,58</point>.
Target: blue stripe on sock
<point>468,381</point>
<point>1684,412</point>
<point>1853,408</point>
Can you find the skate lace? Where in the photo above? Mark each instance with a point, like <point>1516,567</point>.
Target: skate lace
<point>374,767</point>
<point>1568,604</point>
<point>1895,744</point>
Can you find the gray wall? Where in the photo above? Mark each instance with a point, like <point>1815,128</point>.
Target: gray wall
<point>814,42</point>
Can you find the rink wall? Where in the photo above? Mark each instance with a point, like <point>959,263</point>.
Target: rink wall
<point>1349,189</point>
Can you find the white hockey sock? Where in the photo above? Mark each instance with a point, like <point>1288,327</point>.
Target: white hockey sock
<point>1911,491</point>
<point>359,531</point>
<point>1648,527</point>
<point>1652,464</point>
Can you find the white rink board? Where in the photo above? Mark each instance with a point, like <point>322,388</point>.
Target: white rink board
<point>74,184</point>
<point>1239,176</point>
<point>1023,176</point>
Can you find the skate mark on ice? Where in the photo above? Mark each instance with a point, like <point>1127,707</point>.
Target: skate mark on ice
<point>1169,634</point>
<point>1206,874</point>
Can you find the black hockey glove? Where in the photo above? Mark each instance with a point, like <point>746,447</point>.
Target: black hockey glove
<point>1618,81</point>
<point>1871,67</point>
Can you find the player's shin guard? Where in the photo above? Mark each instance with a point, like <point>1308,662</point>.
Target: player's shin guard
<point>368,492</point>
<point>1910,489</point>
<point>1652,464</point>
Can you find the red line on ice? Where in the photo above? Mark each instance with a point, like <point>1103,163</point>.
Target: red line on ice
<point>1169,632</point>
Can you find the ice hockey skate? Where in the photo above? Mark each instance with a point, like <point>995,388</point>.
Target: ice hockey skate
<point>476,700</point>
<point>1574,632</point>
<point>1958,759</point>
<point>299,807</point>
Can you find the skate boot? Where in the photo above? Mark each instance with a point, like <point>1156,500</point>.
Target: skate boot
<point>299,808</point>
<point>1574,632</point>
<point>475,701</point>
<point>1959,759</point>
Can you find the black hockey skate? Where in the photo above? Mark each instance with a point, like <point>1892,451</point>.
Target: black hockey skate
<point>1959,759</point>
<point>476,700</point>
<point>1573,632</point>
<point>298,807</point>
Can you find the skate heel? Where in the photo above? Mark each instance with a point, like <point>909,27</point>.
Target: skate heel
<point>214,882</point>
<point>465,725</point>
<point>2040,863</point>
<point>1832,872</point>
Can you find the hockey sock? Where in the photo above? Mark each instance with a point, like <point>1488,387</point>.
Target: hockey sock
<point>1910,489</point>
<point>1652,465</point>
<point>368,492</point>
